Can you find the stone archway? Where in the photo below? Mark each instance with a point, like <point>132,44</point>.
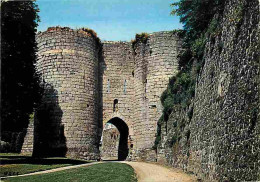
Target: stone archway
<point>117,135</point>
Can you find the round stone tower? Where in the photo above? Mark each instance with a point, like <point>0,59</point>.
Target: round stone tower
<point>67,122</point>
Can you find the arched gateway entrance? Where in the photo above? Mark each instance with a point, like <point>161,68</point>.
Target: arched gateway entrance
<point>115,138</point>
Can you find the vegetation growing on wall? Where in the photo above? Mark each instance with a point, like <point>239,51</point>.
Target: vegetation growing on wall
<point>200,26</point>
<point>143,37</point>
<point>91,33</point>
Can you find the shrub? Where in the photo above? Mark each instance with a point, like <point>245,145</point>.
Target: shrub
<point>158,134</point>
<point>180,90</point>
<point>5,147</point>
<point>179,32</point>
<point>143,37</point>
<point>31,118</point>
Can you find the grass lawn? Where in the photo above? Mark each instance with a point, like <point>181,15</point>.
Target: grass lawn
<point>16,164</point>
<point>105,172</point>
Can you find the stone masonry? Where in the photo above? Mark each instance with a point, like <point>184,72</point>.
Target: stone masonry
<point>217,137</point>
<point>88,83</point>
<point>110,143</point>
<point>67,121</point>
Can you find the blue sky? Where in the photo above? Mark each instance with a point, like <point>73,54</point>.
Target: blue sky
<point>112,19</point>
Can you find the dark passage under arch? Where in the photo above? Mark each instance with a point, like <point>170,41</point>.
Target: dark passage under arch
<point>123,141</point>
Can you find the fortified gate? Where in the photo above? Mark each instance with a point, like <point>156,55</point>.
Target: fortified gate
<point>88,84</point>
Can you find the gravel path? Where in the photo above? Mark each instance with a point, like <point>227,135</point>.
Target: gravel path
<point>147,172</point>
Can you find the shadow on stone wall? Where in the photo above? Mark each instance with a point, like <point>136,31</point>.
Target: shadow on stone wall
<point>49,138</point>
<point>102,66</point>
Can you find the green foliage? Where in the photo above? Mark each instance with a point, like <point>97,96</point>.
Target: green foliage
<point>179,32</point>
<point>213,28</point>
<point>158,134</point>
<point>20,83</point>
<point>180,90</point>
<point>201,24</point>
<point>197,48</point>
<point>31,118</point>
<point>196,15</point>
<point>143,37</point>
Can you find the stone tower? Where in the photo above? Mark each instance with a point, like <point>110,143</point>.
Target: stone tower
<point>67,120</point>
<point>88,84</point>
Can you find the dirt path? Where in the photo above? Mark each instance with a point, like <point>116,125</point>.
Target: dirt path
<point>147,172</point>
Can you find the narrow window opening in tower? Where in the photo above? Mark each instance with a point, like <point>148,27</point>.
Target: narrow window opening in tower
<point>133,73</point>
<point>124,86</point>
<point>115,107</point>
<point>145,85</point>
<point>108,85</point>
<point>84,79</point>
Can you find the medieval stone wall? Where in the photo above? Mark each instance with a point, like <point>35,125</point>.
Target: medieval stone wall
<point>67,120</point>
<point>220,140</point>
<point>110,143</point>
<point>155,62</point>
<point>87,84</point>
<point>118,82</point>
<point>27,146</point>
<point>217,137</point>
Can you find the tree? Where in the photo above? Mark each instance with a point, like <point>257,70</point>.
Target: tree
<point>196,16</point>
<point>20,90</point>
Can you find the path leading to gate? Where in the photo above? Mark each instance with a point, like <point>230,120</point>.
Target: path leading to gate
<point>148,172</point>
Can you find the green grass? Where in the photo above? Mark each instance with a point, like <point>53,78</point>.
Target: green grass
<point>17,164</point>
<point>17,169</point>
<point>105,172</point>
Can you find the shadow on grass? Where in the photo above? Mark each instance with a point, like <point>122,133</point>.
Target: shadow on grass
<point>40,161</point>
<point>108,160</point>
